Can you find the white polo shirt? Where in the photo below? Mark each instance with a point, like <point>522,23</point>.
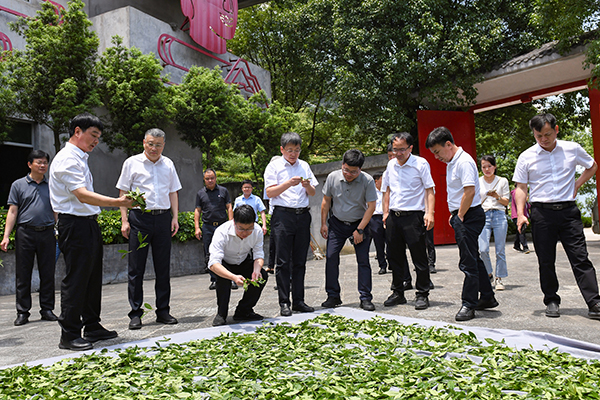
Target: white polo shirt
<point>461,172</point>
<point>551,174</point>
<point>156,180</point>
<point>227,246</point>
<point>69,171</point>
<point>407,183</point>
<point>279,171</point>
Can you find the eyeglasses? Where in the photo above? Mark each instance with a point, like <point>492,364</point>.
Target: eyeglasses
<point>244,230</point>
<point>40,162</point>
<point>347,171</point>
<point>155,145</point>
<point>396,151</point>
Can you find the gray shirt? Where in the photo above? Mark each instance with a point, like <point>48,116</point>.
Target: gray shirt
<point>33,201</point>
<point>349,199</point>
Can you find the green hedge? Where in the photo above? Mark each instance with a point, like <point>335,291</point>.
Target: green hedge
<point>110,225</point>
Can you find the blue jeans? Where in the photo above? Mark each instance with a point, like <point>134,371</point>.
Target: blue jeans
<point>495,220</point>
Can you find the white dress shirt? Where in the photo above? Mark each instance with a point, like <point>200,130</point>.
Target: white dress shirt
<point>227,246</point>
<point>461,172</point>
<point>379,203</point>
<point>69,171</point>
<point>156,180</point>
<point>279,171</point>
<point>551,174</point>
<point>407,183</point>
<point>500,185</point>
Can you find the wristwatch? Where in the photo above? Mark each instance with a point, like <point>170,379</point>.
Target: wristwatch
<point>360,231</point>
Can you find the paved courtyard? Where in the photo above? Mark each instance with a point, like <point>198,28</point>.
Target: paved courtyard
<point>521,306</point>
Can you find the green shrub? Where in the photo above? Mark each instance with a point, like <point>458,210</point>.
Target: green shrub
<point>11,243</point>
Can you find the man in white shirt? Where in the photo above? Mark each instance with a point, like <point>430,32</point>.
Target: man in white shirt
<point>79,238</point>
<point>549,169</point>
<point>407,186</point>
<point>468,220</point>
<point>288,182</point>
<point>236,254</point>
<point>376,229</point>
<point>156,177</point>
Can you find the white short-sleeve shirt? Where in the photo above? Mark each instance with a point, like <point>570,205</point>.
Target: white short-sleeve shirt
<point>407,183</point>
<point>280,170</point>
<point>227,246</point>
<point>551,174</point>
<point>461,172</point>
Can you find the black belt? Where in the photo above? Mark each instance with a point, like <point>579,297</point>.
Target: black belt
<point>154,212</point>
<point>94,217</point>
<point>214,223</point>
<point>346,222</point>
<point>455,212</point>
<point>554,206</point>
<point>296,211</point>
<point>404,213</point>
<point>36,228</point>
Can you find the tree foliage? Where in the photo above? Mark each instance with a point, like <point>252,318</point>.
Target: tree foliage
<point>53,78</point>
<point>7,102</point>
<point>134,94</point>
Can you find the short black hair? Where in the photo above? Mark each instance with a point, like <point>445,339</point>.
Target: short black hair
<point>389,147</point>
<point>84,122</point>
<point>354,158</point>
<point>209,170</point>
<point>244,214</point>
<point>489,158</point>
<point>291,138</point>
<point>539,121</point>
<point>35,154</point>
<point>402,136</point>
<point>439,135</point>
<point>377,175</point>
<point>247,182</point>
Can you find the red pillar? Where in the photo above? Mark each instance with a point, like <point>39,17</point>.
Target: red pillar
<point>462,126</point>
<point>594,95</point>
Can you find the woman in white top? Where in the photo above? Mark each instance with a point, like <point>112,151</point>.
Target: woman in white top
<point>495,196</point>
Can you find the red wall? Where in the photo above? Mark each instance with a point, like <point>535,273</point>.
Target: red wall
<point>462,126</point>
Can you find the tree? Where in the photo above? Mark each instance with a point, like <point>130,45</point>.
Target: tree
<point>134,94</point>
<point>53,78</point>
<point>204,109</point>
<point>7,101</point>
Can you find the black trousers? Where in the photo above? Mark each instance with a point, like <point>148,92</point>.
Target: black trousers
<point>476,282</point>
<point>208,231</point>
<point>272,254</point>
<point>339,232</point>
<point>377,233</point>
<point>80,241</point>
<point>250,297</point>
<point>430,248</point>
<point>292,239</point>
<point>547,227</point>
<point>157,230</point>
<point>520,239</point>
<point>407,231</point>
<point>29,244</point>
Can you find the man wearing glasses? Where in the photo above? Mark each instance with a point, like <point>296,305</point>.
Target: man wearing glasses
<point>351,196</point>
<point>408,188</point>
<point>155,175</point>
<point>236,254</point>
<point>30,210</point>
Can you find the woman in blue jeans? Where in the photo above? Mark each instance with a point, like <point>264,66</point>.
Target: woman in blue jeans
<point>495,196</point>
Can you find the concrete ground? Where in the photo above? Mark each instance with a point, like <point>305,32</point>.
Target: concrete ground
<point>521,306</point>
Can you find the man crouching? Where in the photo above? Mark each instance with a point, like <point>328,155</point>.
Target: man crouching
<point>236,254</point>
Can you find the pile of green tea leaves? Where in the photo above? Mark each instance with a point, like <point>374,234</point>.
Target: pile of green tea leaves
<point>328,357</point>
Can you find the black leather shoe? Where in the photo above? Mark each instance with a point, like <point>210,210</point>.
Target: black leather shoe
<point>48,315</point>
<point>212,286</point>
<point>552,310</point>
<point>482,304</point>
<point>421,303</point>
<point>22,319</point>
<point>407,286</point>
<point>432,269</point>
<point>285,310</point>
<point>78,344</point>
<point>594,312</point>
<point>331,302</point>
<point>395,299</point>
<point>166,319</point>
<point>234,285</point>
<point>465,313</point>
<point>382,271</point>
<point>431,285</point>
<point>135,323</point>
<point>219,320</point>
<point>251,316</point>
<point>367,305</point>
<point>99,334</point>
<point>302,307</point>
